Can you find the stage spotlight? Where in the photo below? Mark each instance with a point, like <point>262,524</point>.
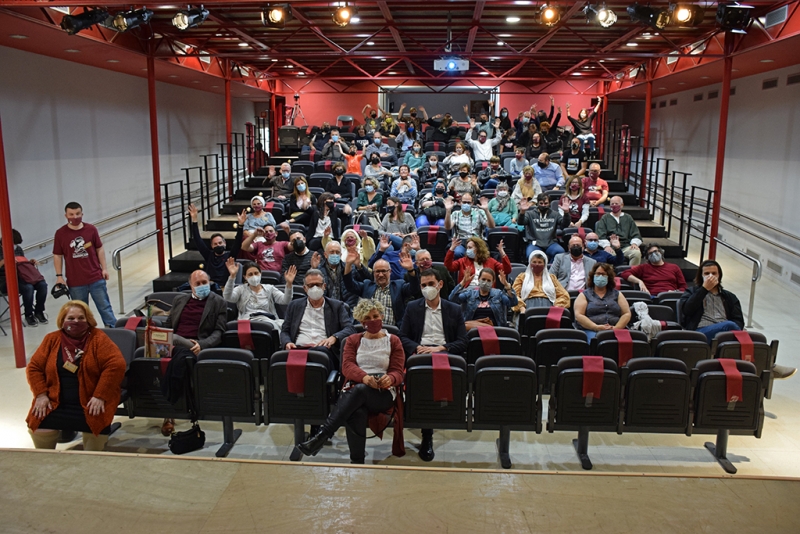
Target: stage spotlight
<point>604,16</point>
<point>734,17</point>
<point>190,18</point>
<point>687,15</point>
<point>343,14</point>
<point>130,19</point>
<point>276,15</point>
<point>549,15</point>
<point>651,16</point>
<point>72,24</point>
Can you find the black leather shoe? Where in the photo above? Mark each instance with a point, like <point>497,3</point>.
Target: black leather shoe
<point>426,449</point>
<point>313,445</point>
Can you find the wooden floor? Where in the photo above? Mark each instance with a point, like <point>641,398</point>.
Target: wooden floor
<point>65,492</point>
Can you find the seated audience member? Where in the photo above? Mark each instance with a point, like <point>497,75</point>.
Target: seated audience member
<point>599,255</point>
<point>198,321</point>
<point>376,170</point>
<point>389,127</point>
<point>573,161</point>
<point>655,276</point>
<point>483,305</point>
<point>445,128</point>
<point>316,323</point>
<point>301,203</point>
<point>518,163</point>
<point>299,257</point>
<point>464,183</point>
<point>75,376</point>
<point>527,187</point>
<point>28,280</point>
<point>535,148</point>
<point>371,118</point>
<point>339,186</point>
<point>482,148</point>
<point>384,151</point>
<point>405,187</point>
<point>391,293</point>
<point>572,269</point>
<point>707,307</point>
<point>281,182</point>
<point>254,300</point>
<point>541,226</point>
<point>432,324</point>
<point>262,246</point>
<point>455,159</point>
<point>489,177</point>
<point>467,222</point>
<point>415,158</point>
<point>412,120</point>
<point>214,258</point>
<point>574,203</point>
<point>358,243</point>
<point>335,148</point>
<point>258,218</point>
<point>547,173</point>
<point>432,206</point>
<point>550,138</point>
<point>332,268</point>
<point>372,365</point>
<point>502,207</point>
<point>624,227</point>
<point>385,251</point>
<point>595,188</point>
<point>370,202</point>
<point>362,139</point>
<point>432,171</point>
<point>601,307</point>
<point>320,137</point>
<point>327,219</point>
<point>509,139</point>
<point>538,288</point>
<point>397,224</point>
<point>406,141</point>
<point>424,262</point>
<point>476,258</point>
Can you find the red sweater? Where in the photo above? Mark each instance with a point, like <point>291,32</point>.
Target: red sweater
<point>462,264</point>
<point>658,278</point>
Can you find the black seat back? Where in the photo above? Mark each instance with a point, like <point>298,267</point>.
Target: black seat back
<point>569,409</point>
<point>144,390</point>
<point>725,345</point>
<point>439,247</point>
<point>506,393</point>
<point>225,384</point>
<point>512,241</point>
<point>421,410</point>
<point>712,410</point>
<point>313,405</point>
<point>657,393</point>
<point>508,345</point>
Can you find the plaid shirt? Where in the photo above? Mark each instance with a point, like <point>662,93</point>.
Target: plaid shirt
<point>384,296</point>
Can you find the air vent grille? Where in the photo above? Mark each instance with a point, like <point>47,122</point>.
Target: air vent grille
<point>774,266</point>
<point>795,278</point>
<point>698,97</point>
<point>713,94</point>
<point>753,253</point>
<point>673,102</point>
<point>662,104</point>
<point>793,79</point>
<point>776,17</point>
<point>772,83</point>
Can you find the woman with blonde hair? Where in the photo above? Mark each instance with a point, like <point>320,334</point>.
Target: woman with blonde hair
<point>301,204</point>
<point>75,376</point>
<point>527,187</point>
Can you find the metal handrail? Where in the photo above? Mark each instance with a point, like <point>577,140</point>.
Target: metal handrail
<point>753,280</point>
<point>117,264</point>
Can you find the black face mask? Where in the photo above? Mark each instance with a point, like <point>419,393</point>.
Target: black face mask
<point>440,190</point>
<point>576,147</point>
<point>375,160</point>
<point>388,210</point>
<point>413,115</point>
<point>219,250</point>
<point>544,209</point>
<point>298,244</point>
<point>329,204</point>
<point>576,251</point>
<point>463,174</point>
<point>338,171</point>
<point>542,164</point>
<point>374,115</point>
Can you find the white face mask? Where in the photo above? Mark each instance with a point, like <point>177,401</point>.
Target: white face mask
<point>315,293</point>
<point>254,280</point>
<point>430,292</point>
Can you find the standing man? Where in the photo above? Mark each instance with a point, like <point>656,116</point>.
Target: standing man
<point>77,247</point>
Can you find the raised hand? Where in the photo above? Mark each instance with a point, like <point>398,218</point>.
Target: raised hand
<point>552,99</point>
<point>403,105</point>
<point>193,212</point>
<point>491,104</point>
<point>315,259</point>
<point>290,275</point>
<point>565,203</point>
<point>568,105</point>
<point>497,122</point>
<point>272,170</point>
<point>385,243</point>
<point>456,242</point>
<point>484,203</point>
<point>415,241</point>
<point>285,227</point>
<point>466,109</point>
<point>363,233</point>
<point>614,240</point>
<point>327,232</point>
<point>468,275</point>
<point>524,205</point>
<point>421,108</point>
<point>406,262</point>
<point>500,248</point>
<point>448,203</point>
<point>501,276</point>
<point>242,217</point>
<point>232,266</point>
<point>471,123</point>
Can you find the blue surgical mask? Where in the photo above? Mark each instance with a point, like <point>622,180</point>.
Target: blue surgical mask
<point>286,174</point>
<point>369,189</point>
<point>377,140</point>
<point>525,120</point>
<point>592,245</point>
<point>203,291</point>
<point>301,187</point>
<point>471,253</point>
<point>600,280</point>
<point>466,208</point>
<point>334,138</point>
<point>334,259</point>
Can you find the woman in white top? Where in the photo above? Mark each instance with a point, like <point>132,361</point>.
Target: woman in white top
<point>457,157</point>
<point>254,300</point>
<point>372,364</point>
<point>258,218</point>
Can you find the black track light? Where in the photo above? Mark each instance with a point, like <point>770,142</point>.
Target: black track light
<point>127,20</point>
<point>190,18</point>
<point>654,17</point>
<point>72,24</point>
<point>734,17</point>
<point>276,15</point>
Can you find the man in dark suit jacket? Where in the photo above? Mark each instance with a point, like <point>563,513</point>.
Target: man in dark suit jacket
<point>398,290</point>
<point>432,324</point>
<point>198,321</point>
<point>317,321</point>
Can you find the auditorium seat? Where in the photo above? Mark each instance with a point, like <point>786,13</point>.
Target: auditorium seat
<point>319,179</point>
<point>535,319</point>
<point>656,394</point>
<point>553,333</point>
<point>304,167</point>
<point>265,337</point>
<point>297,293</point>
<point>725,345</point>
<point>512,242</point>
<point>371,231</point>
<point>272,278</point>
<point>552,347</point>
<point>687,346</point>
<point>422,410</point>
<point>125,340</point>
<point>634,295</point>
<point>605,344</point>
<point>437,244</point>
<point>508,341</point>
<point>144,390</point>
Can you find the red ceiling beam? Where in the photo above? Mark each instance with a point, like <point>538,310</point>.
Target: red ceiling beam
<point>473,31</point>
<point>537,45</point>
<point>401,47</point>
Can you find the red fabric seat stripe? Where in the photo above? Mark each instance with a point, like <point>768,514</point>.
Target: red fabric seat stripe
<point>733,380</point>
<point>488,335</point>
<point>624,346</point>
<point>746,342</point>
<point>554,317</point>
<point>245,334</point>
<point>132,323</point>
<point>296,371</point>
<point>442,379</point>
<point>593,370</point>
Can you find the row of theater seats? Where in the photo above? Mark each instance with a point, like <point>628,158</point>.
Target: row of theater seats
<point>497,385</point>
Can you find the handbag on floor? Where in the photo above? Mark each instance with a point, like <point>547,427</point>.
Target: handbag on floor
<point>188,440</point>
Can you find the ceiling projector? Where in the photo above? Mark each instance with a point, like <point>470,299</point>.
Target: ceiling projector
<point>452,65</point>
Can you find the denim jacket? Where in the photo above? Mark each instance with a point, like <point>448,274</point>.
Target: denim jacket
<point>499,302</point>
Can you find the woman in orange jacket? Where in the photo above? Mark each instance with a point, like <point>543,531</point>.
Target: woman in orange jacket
<point>477,258</point>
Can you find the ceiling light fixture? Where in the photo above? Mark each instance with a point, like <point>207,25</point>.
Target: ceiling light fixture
<point>549,15</point>
<point>734,17</point>
<point>604,16</point>
<point>343,15</point>
<point>128,20</point>
<point>72,24</point>
<point>651,16</point>
<point>190,18</point>
<point>18,36</point>
<point>243,45</point>
<point>687,15</point>
<point>512,20</point>
<point>276,15</point>
<point>72,50</point>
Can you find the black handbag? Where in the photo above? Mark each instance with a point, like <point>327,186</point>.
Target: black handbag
<point>188,440</point>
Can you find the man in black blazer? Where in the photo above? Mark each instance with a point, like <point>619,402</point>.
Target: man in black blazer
<point>317,321</point>
<point>198,321</point>
<point>432,324</point>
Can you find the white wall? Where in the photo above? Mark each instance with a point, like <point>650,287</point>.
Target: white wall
<point>761,158</point>
<point>74,132</point>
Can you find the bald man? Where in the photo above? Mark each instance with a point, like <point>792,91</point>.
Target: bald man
<point>198,322</point>
<point>572,268</point>
<point>623,227</point>
<point>393,294</point>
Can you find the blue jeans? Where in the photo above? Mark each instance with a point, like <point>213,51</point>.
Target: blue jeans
<point>590,335</point>
<point>99,294</point>
<point>712,330</point>
<point>26,290</point>
<point>551,251</point>
<point>422,220</point>
<point>396,241</point>
<point>459,252</point>
<point>491,183</point>
<point>587,140</point>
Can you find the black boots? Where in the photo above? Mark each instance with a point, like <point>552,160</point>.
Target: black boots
<point>314,444</point>
<point>426,453</point>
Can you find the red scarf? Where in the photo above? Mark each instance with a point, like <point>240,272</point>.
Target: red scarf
<point>73,348</point>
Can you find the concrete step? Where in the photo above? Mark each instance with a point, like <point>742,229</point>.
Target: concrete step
<point>186,262</point>
<point>638,214</point>
<point>615,186</point>
<point>170,281</point>
<point>247,193</point>
<point>688,268</point>
<point>650,229</point>
<point>235,206</point>
<point>221,223</point>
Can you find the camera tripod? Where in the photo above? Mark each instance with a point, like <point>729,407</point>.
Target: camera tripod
<point>296,111</point>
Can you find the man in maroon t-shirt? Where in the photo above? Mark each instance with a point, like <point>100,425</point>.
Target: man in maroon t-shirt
<point>77,247</point>
<point>655,276</point>
<point>265,250</point>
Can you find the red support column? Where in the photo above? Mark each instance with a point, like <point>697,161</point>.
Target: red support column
<point>647,105</point>
<point>229,130</point>
<point>273,125</point>
<point>151,97</point>
<point>12,287</point>
<point>601,142</point>
<point>725,96</point>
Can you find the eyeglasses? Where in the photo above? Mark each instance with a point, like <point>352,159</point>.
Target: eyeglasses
<point>319,284</point>
<point>381,271</point>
